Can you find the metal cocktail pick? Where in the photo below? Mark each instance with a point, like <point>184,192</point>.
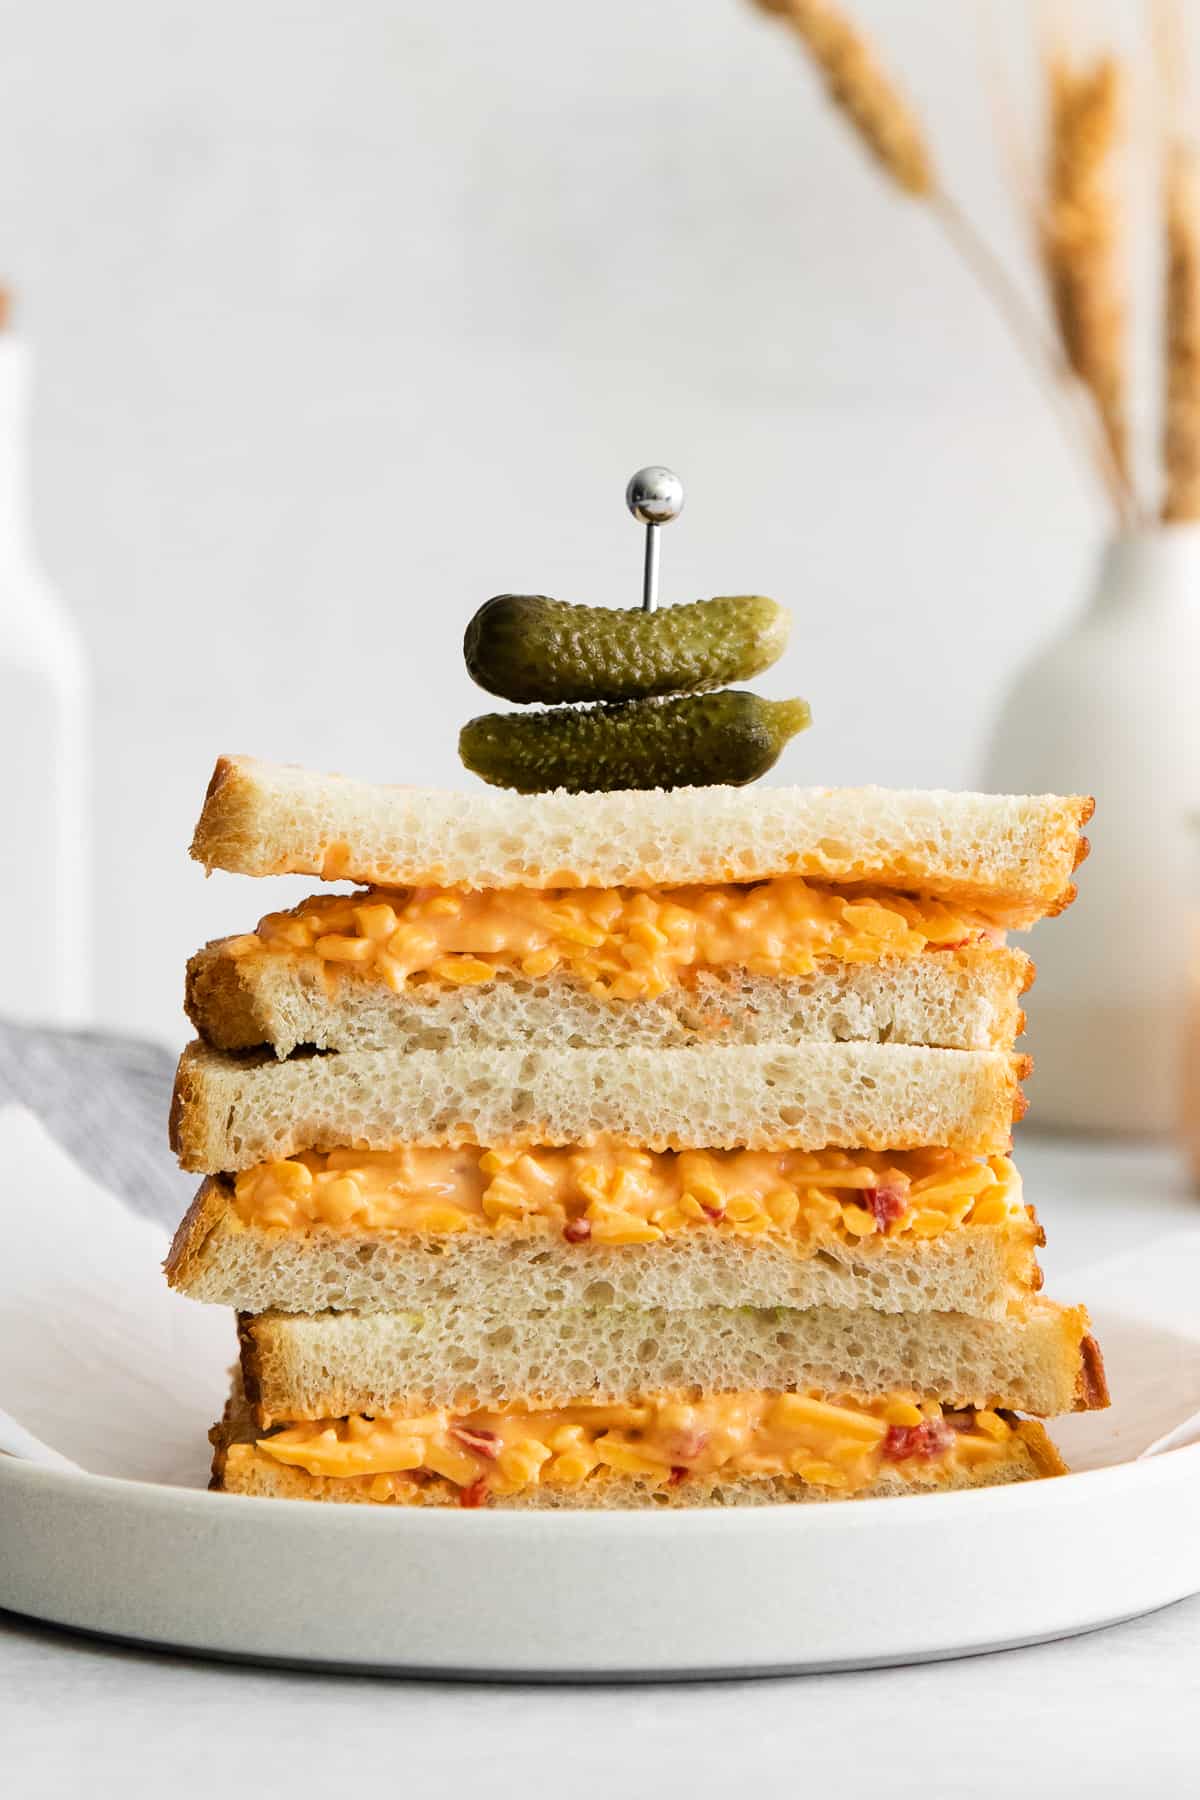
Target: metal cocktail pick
<point>655,496</point>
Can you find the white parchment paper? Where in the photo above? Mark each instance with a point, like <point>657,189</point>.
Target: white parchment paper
<point>100,1362</point>
<point>103,1366</point>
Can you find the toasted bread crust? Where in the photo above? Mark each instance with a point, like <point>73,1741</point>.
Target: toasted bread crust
<point>223,998</point>
<point>208,1211</point>
<point>1093,1395</point>
<point>251,1371</point>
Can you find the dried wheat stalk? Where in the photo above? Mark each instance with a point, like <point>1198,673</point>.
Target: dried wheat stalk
<point>1080,233</point>
<point>1181,423</point>
<point>862,89</point>
<point>860,86</point>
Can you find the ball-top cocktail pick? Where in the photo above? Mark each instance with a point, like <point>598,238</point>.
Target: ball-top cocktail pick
<point>654,720</point>
<point>654,496</point>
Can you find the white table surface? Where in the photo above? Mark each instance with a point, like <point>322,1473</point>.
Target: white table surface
<point>1115,1713</point>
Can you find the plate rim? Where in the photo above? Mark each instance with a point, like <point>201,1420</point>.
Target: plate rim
<point>158,1536</point>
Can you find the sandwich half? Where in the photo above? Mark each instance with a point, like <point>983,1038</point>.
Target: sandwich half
<point>707,916</point>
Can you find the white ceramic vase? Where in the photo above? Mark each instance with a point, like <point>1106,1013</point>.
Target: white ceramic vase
<point>1112,708</point>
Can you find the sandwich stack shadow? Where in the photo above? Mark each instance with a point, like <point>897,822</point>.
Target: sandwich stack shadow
<point>625,1149</point>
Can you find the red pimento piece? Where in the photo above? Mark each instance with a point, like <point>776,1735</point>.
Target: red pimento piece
<point>475,1495</point>
<point>678,1474</point>
<point>887,1203</point>
<point>483,1443</point>
<point>689,1444</point>
<point>952,944</point>
<point>577,1230</point>
<point>927,1439</point>
<point>713,1212</point>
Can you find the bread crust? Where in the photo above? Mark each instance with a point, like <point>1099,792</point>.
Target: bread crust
<point>184,1263</point>
<point>1093,1379</point>
<point>963,999</point>
<point>229,1112</point>
<point>1011,856</point>
<point>226,1002</point>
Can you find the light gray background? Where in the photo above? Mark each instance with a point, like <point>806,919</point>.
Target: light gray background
<point>350,316</point>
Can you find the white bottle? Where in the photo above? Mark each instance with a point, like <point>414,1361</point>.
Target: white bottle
<point>1113,709</point>
<point>44,898</point>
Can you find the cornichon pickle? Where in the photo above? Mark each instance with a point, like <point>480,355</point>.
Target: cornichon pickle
<point>724,739</point>
<point>526,647</point>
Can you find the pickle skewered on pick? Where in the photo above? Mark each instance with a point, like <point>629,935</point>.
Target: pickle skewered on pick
<point>703,740</point>
<point>526,647</point>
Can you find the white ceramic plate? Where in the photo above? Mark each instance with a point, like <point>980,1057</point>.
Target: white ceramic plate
<point>576,1596</point>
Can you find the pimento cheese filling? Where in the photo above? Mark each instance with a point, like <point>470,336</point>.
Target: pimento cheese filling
<point>621,943</point>
<point>609,1193</point>
<point>843,1443</point>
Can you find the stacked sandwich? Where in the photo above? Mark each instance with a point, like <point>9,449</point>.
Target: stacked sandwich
<point>621,1149</point>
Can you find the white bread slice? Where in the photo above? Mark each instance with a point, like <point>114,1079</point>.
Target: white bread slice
<point>248,1471</point>
<point>1010,856</point>
<point>976,1269</point>
<point>1039,1360</point>
<point>229,1112</point>
<point>965,999</point>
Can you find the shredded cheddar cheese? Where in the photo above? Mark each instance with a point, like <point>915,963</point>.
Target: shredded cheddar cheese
<point>621,943</point>
<point>609,1193</point>
<point>841,1443</point>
